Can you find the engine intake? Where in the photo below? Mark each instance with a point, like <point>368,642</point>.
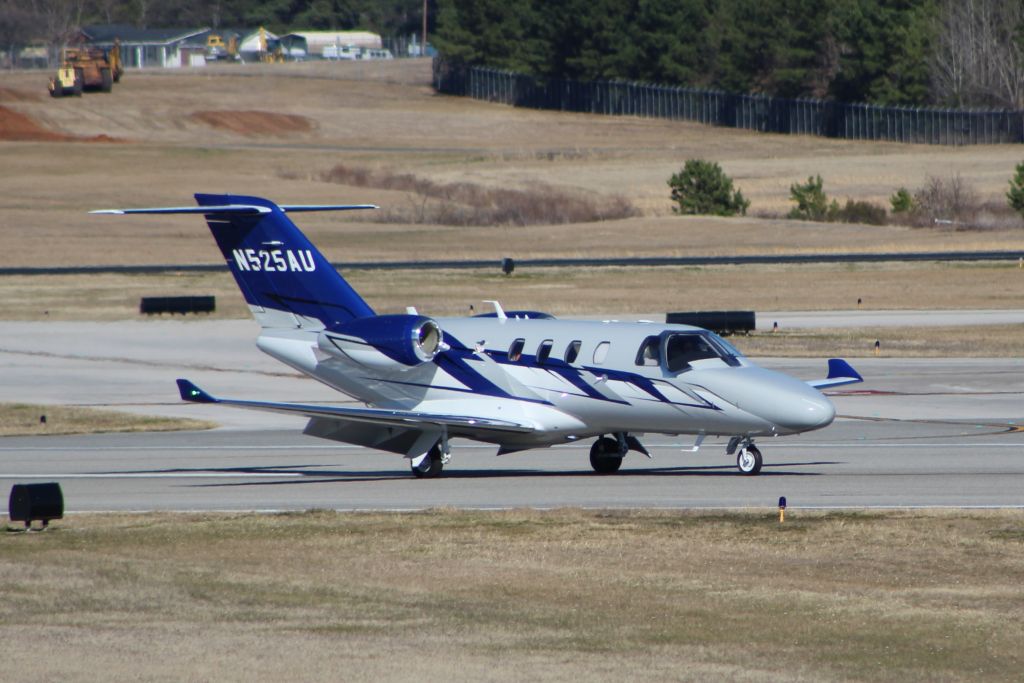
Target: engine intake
<point>385,340</point>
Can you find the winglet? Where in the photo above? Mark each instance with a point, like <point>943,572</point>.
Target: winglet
<point>193,394</point>
<point>839,368</point>
<point>839,373</point>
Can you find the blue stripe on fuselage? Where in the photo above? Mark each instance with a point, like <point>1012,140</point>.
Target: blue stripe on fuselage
<point>454,361</point>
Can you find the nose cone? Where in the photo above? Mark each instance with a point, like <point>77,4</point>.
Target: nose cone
<point>801,411</point>
<point>788,404</point>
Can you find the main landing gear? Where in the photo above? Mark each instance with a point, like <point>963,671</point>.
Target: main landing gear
<point>430,464</point>
<point>607,452</point>
<point>606,456</point>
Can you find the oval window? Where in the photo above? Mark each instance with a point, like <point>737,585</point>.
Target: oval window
<point>572,351</point>
<point>544,350</point>
<point>515,351</point>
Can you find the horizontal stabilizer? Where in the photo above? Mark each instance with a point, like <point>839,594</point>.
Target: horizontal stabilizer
<point>456,424</point>
<point>190,392</point>
<point>839,373</point>
<point>237,209</point>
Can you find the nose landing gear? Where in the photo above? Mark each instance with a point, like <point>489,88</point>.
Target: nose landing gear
<point>748,457</point>
<point>748,460</point>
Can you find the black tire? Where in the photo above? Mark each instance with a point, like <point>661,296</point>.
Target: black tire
<point>79,83</point>
<point>431,467</point>
<point>57,90</point>
<point>108,80</point>
<point>604,457</point>
<point>749,461</point>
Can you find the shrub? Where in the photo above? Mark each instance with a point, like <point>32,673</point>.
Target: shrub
<point>703,188</point>
<point>1015,197</point>
<point>811,202</point>
<point>861,212</point>
<point>952,202</point>
<point>472,204</point>
<point>902,201</point>
<point>945,202</point>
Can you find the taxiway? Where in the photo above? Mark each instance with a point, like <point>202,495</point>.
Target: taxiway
<point>918,433</point>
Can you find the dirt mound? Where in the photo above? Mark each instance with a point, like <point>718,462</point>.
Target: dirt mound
<point>17,126</point>
<point>12,95</point>
<point>252,123</point>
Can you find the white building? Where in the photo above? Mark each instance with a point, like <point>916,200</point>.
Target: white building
<point>314,42</point>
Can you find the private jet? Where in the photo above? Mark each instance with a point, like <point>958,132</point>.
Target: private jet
<point>518,380</point>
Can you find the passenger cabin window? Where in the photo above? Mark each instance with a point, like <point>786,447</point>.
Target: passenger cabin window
<point>601,352</point>
<point>572,351</point>
<point>515,351</point>
<point>683,349</point>
<point>544,350</point>
<point>650,352</point>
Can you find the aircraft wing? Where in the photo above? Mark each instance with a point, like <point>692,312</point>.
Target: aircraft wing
<point>455,424</point>
<point>839,373</point>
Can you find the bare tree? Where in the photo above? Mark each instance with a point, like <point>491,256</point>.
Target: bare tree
<point>979,53</point>
<point>16,26</point>
<point>107,10</point>
<point>57,21</point>
<point>1008,72</point>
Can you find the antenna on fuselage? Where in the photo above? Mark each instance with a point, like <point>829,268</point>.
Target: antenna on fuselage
<point>498,310</point>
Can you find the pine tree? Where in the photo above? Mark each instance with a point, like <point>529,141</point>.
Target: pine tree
<point>1015,197</point>
<point>703,188</point>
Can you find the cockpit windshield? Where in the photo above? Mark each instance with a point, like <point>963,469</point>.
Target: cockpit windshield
<point>721,343</point>
<point>684,348</point>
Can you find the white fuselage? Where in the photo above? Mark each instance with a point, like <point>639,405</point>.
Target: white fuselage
<point>570,379</point>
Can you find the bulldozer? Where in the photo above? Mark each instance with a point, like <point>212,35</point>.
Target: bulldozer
<point>87,68</point>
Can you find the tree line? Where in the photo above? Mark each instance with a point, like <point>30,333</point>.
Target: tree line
<point>957,53</point>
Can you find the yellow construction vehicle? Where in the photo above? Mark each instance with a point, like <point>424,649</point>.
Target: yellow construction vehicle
<point>87,68</point>
<point>271,50</point>
<point>217,49</point>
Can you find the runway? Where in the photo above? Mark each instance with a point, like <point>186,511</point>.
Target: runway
<point>918,433</point>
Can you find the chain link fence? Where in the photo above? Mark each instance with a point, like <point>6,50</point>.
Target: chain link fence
<point>926,125</point>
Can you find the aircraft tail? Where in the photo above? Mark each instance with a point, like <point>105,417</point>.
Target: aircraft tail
<point>285,280</point>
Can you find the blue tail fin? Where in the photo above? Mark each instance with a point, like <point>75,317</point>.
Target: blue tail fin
<point>285,280</point>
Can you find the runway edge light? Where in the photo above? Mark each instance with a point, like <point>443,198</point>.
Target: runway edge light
<point>30,502</point>
<point>782,509</point>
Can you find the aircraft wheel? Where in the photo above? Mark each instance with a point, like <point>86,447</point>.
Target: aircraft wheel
<point>748,460</point>
<point>429,465</point>
<point>604,456</point>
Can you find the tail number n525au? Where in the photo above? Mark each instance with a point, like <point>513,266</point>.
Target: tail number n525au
<point>276,260</point>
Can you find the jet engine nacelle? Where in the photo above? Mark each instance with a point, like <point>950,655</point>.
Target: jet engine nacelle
<point>385,341</point>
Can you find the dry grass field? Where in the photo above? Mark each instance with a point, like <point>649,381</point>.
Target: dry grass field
<point>275,129</point>
<point>560,291</point>
<point>518,595</point>
<point>20,419</point>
